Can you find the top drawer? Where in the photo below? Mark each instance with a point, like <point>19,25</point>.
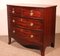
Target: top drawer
<point>14,10</point>
<point>31,12</point>
<point>25,11</point>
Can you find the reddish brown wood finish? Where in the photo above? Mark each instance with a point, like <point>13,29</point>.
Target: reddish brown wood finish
<point>36,12</point>
<point>32,26</point>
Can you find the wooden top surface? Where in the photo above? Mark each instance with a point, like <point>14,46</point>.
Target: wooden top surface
<point>33,5</point>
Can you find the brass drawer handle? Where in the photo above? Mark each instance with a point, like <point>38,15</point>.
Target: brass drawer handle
<point>13,11</point>
<point>31,13</point>
<point>13,31</point>
<point>21,19</point>
<point>31,24</point>
<point>13,20</point>
<point>21,30</point>
<point>31,36</point>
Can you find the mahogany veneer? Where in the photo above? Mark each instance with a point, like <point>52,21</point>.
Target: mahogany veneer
<point>32,26</point>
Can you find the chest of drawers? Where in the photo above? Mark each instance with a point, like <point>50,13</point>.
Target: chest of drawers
<point>32,26</point>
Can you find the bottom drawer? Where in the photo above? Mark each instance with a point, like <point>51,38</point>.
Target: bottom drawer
<point>27,44</point>
<point>28,35</point>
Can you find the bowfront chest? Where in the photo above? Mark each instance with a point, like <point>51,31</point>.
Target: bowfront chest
<point>32,25</point>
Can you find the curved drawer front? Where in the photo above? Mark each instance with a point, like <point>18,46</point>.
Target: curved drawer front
<point>30,24</point>
<point>27,23</point>
<point>28,35</point>
<point>32,13</point>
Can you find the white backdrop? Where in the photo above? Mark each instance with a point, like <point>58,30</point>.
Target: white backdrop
<point>3,12</point>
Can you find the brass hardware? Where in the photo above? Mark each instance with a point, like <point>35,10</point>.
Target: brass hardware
<point>31,13</point>
<point>13,11</point>
<point>21,19</point>
<point>21,30</point>
<point>31,36</point>
<point>31,24</point>
<point>13,31</point>
<point>13,20</point>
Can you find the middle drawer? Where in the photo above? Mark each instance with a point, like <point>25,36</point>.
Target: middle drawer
<point>28,23</point>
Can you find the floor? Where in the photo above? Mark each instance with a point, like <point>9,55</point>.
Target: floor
<point>49,50</point>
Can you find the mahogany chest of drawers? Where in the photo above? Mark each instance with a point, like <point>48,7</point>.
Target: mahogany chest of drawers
<point>32,26</point>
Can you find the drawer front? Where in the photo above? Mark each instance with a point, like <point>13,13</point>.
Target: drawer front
<point>28,23</point>
<point>32,13</point>
<point>27,35</point>
<point>14,10</point>
<point>11,21</point>
<point>25,12</point>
